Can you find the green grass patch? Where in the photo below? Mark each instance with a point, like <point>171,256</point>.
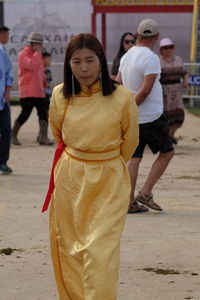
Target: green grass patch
<point>194,110</point>
<point>14,100</point>
<point>189,177</point>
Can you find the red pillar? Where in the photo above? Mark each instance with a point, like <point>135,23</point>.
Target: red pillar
<point>103,30</point>
<point>94,23</point>
<point>1,13</point>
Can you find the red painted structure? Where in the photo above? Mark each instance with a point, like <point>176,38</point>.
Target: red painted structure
<point>105,9</point>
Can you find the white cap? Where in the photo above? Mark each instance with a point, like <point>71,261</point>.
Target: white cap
<point>148,27</point>
<point>166,42</point>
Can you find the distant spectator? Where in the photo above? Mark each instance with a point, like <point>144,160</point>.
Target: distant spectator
<point>173,79</point>
<point>31,87</point>
<point>127,42</point>
<point>6,80</point>
<point>48,75</point>
<point>48,91</point>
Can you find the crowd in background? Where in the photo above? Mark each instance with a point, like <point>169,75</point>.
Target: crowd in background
<point>34,81</point>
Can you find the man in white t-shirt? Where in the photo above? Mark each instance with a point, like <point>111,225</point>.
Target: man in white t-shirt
<point>140,72</point>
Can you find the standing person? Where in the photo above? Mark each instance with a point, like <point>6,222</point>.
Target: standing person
<point>6,80</point>
<point>127,41</point>
<point>140,72</point>
<point>48,76</point>
<point>31,87</point>
<point>48,91</point>
<point>173,79</point>
<point>96,119</point>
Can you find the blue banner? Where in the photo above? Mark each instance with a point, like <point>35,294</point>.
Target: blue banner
<point>194,80</point>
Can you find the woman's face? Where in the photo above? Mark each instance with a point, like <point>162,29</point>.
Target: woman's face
<point>85,66</point>
<point>128,42</point>
<point>4,37</point>
<point>36,47</point>
<point>167,50</point>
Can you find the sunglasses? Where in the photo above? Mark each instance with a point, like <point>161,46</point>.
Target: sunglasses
<point>168,47</point>
<point>129,42</point>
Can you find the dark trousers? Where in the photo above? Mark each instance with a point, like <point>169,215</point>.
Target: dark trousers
<point>5,133</point>
<point>28,104</point>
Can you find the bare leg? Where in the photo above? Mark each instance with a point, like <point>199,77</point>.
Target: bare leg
<point>133,166</point>
<point>173,129</point>
<point>157,169</point>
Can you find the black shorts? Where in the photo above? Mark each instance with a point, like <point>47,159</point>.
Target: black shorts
<point>156,135</point>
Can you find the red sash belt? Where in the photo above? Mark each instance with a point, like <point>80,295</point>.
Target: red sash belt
<point>59,150</point>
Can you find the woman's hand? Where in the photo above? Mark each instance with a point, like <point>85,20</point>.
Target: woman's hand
<point>185,81</point>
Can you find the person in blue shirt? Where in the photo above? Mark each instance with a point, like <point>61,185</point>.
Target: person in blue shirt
<point>6,80</point>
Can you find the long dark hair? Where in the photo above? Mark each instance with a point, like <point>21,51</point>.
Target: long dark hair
<point>80,41</point>
<point>121,50</point>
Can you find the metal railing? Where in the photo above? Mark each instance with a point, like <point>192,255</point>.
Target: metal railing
<point>192,92</point>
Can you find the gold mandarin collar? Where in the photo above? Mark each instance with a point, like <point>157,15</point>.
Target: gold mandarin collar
<point>89,91</point>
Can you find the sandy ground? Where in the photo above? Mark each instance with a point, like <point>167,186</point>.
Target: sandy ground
<point>153,244</point>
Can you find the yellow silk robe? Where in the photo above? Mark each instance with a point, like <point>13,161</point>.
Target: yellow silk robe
<point>92,189</point>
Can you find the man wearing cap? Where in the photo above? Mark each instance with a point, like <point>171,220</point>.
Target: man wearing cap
<point>140,72</point>
<point>31,87</point>
<point>6,80</point>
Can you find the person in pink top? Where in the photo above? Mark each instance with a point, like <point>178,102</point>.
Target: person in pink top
<point>31,81</point>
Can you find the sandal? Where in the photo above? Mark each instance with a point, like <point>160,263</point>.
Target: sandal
<point>148,201</point>
<point>136,208</point>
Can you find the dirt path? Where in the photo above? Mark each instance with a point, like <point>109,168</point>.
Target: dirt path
<point>160,253</point>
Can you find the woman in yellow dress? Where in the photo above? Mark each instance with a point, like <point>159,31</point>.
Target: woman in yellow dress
<point>97,121</point>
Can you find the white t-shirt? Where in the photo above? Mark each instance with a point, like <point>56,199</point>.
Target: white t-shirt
<point>134,65</point>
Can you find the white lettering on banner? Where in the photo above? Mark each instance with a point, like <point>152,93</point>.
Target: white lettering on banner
<point>194,80</point>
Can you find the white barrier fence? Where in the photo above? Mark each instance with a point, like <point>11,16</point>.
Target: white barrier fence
<point>191,93</point>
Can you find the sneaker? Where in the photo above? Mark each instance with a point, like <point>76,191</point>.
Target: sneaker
<point>136,208</point>
<point>4,169</point>
<point>148,201</point>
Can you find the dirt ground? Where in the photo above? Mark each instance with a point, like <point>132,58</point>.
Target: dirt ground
<point>160,252</point>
